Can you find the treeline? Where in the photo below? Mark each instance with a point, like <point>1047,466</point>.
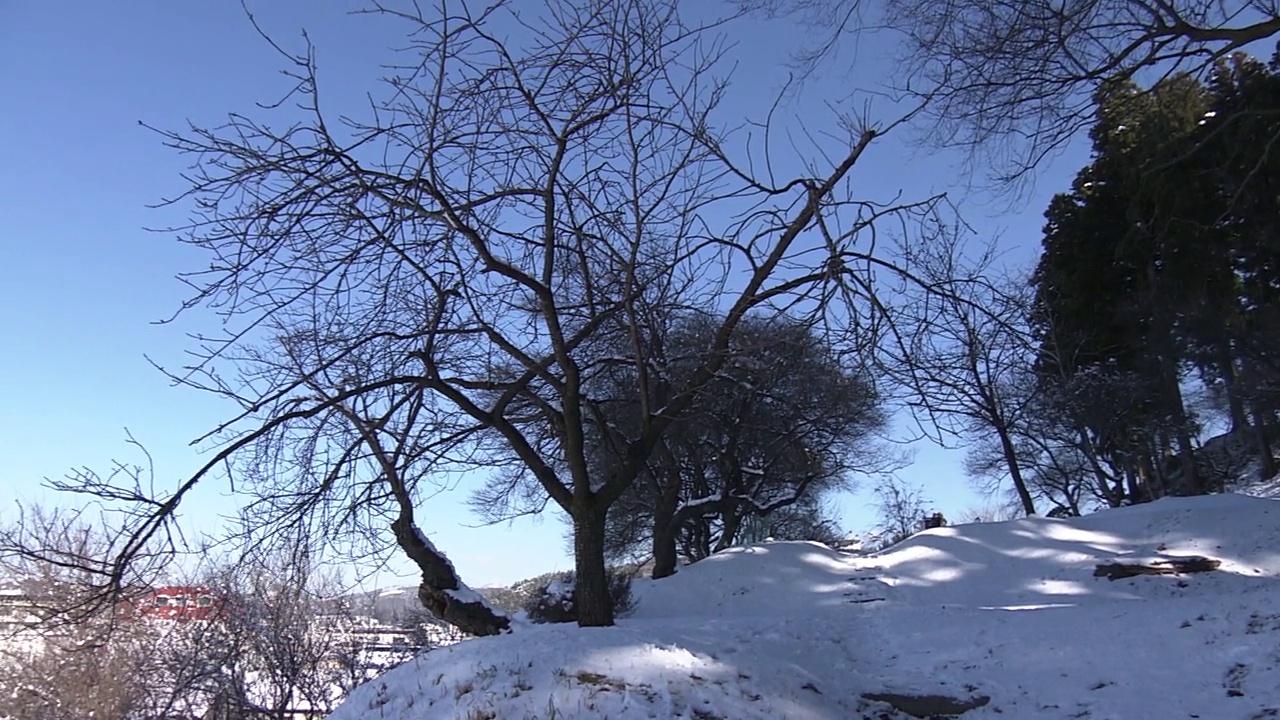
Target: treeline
<point>1154,309</point>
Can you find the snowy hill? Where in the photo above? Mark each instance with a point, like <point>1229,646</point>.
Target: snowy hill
<point>1005,616</point>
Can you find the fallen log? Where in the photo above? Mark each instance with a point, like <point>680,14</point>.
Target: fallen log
<point>1162,566</point>
<point>929,706</point>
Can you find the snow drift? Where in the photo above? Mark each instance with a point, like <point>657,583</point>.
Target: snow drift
<point>1006,611</point>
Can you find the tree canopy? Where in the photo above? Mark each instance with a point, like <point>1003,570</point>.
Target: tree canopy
<point>446,281</point>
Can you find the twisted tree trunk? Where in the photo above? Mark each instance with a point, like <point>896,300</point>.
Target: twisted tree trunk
<point>441,590</point>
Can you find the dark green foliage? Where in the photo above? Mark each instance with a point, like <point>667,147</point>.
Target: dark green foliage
<point>783,422</point>
<point>1164,260</point>
<point>553,599</point>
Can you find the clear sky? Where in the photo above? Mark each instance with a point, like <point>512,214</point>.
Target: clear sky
<point>82,282</point>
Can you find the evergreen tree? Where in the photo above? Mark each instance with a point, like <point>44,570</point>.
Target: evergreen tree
<point>1125,254</point>
<point>1164,258</point>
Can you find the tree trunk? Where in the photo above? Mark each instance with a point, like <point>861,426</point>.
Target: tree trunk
<point>1191,484</point>
<point>731,519</point>
<point>1262,432</point>
<point>664,550</point>
<point>1262,426</point>
<point>441,591</point>
<point>697,538</point>
<point>1146,475</point>
<point>1131,472</point>
<point>1015,471</point>
<point>1235,403</point>
<point>1165,345</point>
<point>665,525</point>
<point>704,538</point>
<point>591,591</point>
<point>1100,476</point>
<point>1159,475</point>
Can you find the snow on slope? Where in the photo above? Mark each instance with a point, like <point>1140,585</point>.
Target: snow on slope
<point>1007,610</point>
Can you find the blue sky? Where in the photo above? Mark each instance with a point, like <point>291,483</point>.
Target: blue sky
<point>82,282</point>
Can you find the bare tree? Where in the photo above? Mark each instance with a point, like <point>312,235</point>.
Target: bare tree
<point>526,186</point>
<point>900,509</point>
<point>1022,75</point>
<point>1014,80</point>
<point>362,461</point>
<point>64,655</point>
<point>85,547</point>
<point>268,643</point>
<point>78,673</point>
<point>290,651</point>
<point>970,364</point>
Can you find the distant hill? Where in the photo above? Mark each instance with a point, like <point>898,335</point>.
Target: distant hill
<point>400,605</point>
<point>392,606</point>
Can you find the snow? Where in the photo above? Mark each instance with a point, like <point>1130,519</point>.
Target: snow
<point>462,593</point>
<point>426,541</point>
<point>465,594</point>
<point>695,503</point>
<point>1009,610</point>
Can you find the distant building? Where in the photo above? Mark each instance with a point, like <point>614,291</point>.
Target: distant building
<point>18,608</point>
<point>181,602</point>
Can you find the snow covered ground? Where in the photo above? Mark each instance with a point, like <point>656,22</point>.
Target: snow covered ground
<point>1006,611</point>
